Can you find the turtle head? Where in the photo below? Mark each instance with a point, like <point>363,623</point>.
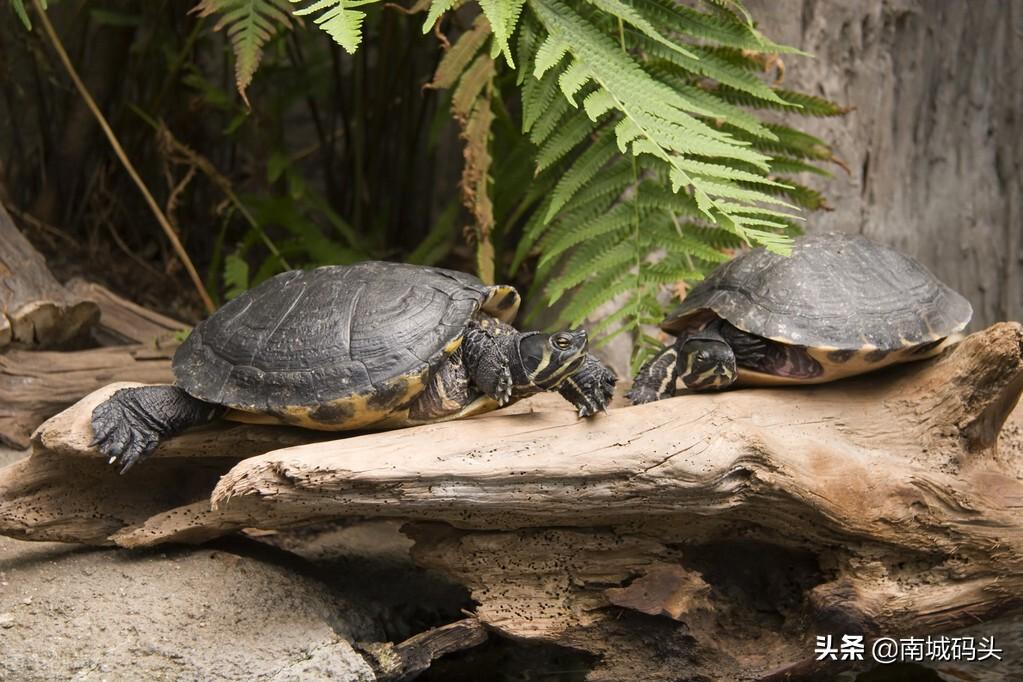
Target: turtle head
<point>546,359</point>
<point>707,364</point>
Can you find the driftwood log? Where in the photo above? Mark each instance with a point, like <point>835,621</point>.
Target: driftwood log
<point>35,310</point>
<point>708,535</point>
<point>35,384</point>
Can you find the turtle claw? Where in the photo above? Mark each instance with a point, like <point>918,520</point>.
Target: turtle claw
<point>503,390</point>
<point>590,388</point>
<point>128,426</point>
<point>640,395</point>
<point>121,431</point>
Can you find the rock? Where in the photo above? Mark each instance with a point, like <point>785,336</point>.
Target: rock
<point>190,614</point>
<point>335,660</point>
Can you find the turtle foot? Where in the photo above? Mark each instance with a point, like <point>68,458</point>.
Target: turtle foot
<point>590,388</point>
<point>129,425</point>
<point>121,430</point>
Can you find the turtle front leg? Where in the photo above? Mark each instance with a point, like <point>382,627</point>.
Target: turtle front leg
<point>656,379</point>
<point>590,388</point>
<point>129,424</point>
<point>486,360</point>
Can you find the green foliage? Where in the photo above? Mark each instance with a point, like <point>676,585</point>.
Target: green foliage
<point>338,19</point>
<point>236,275</point>
<point>250,24</point>
<point>614,150</point>
<point>19,8</point>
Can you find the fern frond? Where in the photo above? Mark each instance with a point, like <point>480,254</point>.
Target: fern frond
<point>575,130</point>
<point>503,16</point>
<point>236,275</point>
<point>581,172</point>
<point>613,221</point>
<point>437,8</point>
<point>471,84</point>
<point>338,19</point>
<point>782,164</point>
<point>458,57</point>
<point>601,191</point>
<point>594,293</point>
<point>631,15</point>
<point>808,105</point>
<point>710,65</point>
<point>708,27</point>
<point>250,24</point>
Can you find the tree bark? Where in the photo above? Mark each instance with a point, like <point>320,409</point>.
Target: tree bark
<point>710,534</point>
<point>35,310</point>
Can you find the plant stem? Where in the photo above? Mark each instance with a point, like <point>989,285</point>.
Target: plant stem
<point>119,151</point>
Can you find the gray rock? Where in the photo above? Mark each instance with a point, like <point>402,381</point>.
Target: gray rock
<point>179,614</point>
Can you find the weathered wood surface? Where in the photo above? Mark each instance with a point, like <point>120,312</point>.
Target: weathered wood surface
<point>407,659</point>
<point>124,322</point>
<point>35,310</point>
<point>35,385</point>
<point>709,534</point>
<point>66,492</point>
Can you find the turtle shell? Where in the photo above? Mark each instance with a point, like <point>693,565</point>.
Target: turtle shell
<point>335,347</point>
<point>836,293</point>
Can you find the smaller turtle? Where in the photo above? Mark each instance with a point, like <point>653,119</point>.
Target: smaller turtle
<point>839,305</point>
<point>367,346</point>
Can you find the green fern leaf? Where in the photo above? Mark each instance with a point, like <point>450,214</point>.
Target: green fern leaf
<point>710,65</point>
<point>597,292</point>
<point>541,100</point>
<point>582,171</point>
<point>437,8</point>
<point>236,275</point>
<point>336,17</point>
<point>630,15</point>
<point>707,27</point>
<point>503,15</point>
<point>575,130</point>
<point>618,217</point>
<point>781,164</point>
<point>250,24</point>
<point>551,51</point>
<point>573,79</point>
<point>600,192</point>
<point>598,103</point>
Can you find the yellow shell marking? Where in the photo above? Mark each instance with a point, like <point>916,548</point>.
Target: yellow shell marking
<point>858,363</point>
<point>349,413</point>
<point>502,303</point>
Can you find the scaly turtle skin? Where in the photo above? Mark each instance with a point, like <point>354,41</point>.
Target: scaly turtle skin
<point>839,305</point>
<point>367,346</point>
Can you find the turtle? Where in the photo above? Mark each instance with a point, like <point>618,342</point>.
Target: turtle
<point>839,305</point>
<point>369,346</point>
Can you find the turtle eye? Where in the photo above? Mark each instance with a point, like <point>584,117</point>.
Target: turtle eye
<point>562,342</point>
<point>702,356</point>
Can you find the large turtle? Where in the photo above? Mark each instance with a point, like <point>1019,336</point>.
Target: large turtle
<point>367,346</point>
<point>838,305</point>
